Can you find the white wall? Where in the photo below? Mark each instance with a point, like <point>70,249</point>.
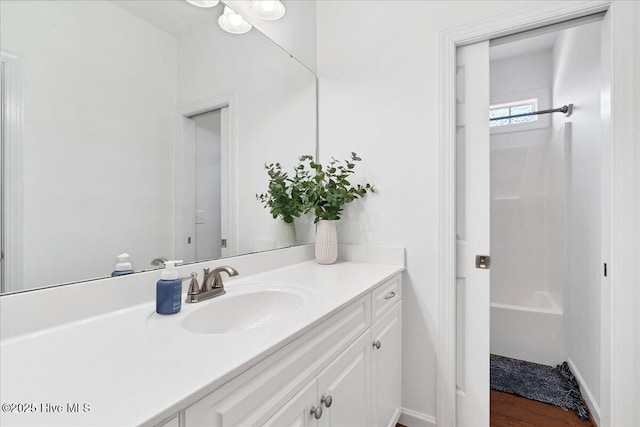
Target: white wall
<point>519,255</point>
<point>577,80</point>
<point>98,89</point>
<point>518,246</point>
<point>295,31</point>
<point>556,233</point>
<point>275,115</point>
<point>378,70</point>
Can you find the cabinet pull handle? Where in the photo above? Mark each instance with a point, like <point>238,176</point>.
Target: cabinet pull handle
<point>316,411</point>
<point>377,344</point>
<point>390,295</point>
<point>327,400</point>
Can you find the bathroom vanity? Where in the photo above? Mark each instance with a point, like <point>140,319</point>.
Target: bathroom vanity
<point>345,371</point>
<point>301,344</point>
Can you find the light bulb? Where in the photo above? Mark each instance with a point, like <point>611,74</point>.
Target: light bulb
<point>268,5</point>
<point>235,19</point>
<point>233,22</point>
<point>204,3</point>
<point>268,9</point>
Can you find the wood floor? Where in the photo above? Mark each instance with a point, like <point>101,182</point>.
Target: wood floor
<point>509,410</point>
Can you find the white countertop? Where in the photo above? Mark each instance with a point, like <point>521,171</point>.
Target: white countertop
<point>133,368</point>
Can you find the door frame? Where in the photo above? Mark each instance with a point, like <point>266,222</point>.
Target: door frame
<point>12,182</point>
<point>625,197</point>
<point>230,190</point>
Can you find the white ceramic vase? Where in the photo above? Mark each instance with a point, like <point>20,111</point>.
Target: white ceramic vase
<point>285,234</point>
<point>326,242</point>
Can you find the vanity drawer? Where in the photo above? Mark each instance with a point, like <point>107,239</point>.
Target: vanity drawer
<point>386,295</point>
<point>259,392</point>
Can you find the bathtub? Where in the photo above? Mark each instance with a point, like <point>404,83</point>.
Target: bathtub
<point>530,328</point>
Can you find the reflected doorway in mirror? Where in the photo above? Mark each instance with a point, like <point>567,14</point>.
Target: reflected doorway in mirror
<point>205,180</point>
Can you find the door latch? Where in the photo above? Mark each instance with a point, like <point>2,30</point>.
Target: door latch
<point>483,261</point>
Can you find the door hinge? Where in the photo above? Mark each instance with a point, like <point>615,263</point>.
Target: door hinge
<point>483,261</point>
<point>223,243</point>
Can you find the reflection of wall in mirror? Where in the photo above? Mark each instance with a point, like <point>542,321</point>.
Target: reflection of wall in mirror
<point>275,115</point>
<point>296,31</point>
<point>100,97</point>
<point>98,120</point>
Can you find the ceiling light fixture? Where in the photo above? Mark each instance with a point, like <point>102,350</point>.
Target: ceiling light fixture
<point>204,3</point>
<point>233,22</point>
<point>268,9</point>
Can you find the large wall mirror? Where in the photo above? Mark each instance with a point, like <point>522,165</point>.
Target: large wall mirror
<point>140,127</point>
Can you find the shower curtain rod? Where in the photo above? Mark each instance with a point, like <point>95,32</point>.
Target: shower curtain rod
<point>566,109</point>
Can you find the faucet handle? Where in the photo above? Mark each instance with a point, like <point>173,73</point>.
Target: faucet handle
<point>194,288</point>
<point>206,281</point>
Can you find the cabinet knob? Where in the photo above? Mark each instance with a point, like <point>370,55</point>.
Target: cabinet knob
<point>390,295</point>
<point>327,400</point>
<point>377,344</point>
<point>316,411</point>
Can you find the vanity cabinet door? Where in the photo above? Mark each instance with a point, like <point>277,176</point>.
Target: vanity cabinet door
<point>297,411</point>
<point>386,367</point>
<point>256,395</point>
<point>344,387</point>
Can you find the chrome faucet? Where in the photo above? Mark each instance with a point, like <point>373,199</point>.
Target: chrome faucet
<point>212,285</point>
<point>159,262</point>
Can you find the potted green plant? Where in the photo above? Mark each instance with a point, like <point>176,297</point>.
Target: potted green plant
<point>284,199</point>
<point>325,191</point>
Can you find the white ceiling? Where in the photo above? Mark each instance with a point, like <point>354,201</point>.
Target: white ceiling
<point>522,46</point>
<point>176,17</point>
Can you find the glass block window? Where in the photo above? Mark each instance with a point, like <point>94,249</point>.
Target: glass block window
<point>512,109</point>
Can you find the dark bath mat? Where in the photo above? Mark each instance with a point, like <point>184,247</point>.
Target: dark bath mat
<point>547,384</point>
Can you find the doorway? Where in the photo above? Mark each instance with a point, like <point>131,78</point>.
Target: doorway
<point>620,370</point>
<point>545,213</point>
<point>530,192</point>
<point>205,180</point>
<point>204,172</point>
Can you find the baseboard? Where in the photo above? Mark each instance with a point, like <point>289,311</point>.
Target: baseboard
<point>395,418</point>
<point>594,409</point>
<point>411,418</point>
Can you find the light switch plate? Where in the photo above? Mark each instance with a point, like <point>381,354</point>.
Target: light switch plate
<point>199,216</point>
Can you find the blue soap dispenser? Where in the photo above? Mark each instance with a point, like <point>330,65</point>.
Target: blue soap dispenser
<point>169,290</point>
<point>123,266</point>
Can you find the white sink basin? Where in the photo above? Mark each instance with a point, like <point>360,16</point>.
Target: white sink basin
<point>238,312</point>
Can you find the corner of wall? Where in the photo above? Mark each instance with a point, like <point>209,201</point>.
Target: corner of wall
<point>412,418</point>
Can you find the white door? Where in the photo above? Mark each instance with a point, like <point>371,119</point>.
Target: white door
<point>472,235</point>
<point>344,387</point>
<point>188,191</point>
<point>208,201</point>
<point>386,368</point>
<point>206,192</point>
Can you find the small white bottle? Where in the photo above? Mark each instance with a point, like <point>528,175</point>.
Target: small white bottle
<point>123,266</point>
